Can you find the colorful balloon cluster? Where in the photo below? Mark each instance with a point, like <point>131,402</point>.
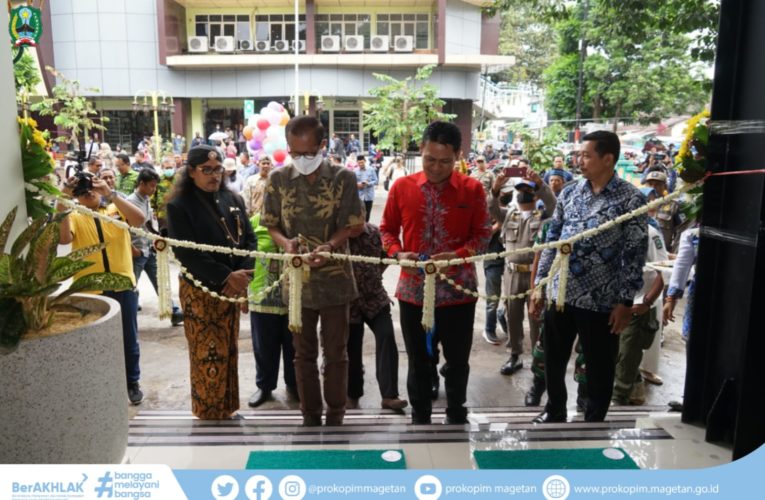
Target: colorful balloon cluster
<point>265,133</point>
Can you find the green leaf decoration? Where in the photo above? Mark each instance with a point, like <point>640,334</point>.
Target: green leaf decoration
<point>5,229</point>
<point>12,325</point>
<point>64,268</point>
<point>42,251</point>
<point>84,252</point>
<point>5,269</point>
<point>26,236</point>
<point>97,282</point>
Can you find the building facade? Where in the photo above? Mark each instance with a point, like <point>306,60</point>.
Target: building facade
<point>211,55</point>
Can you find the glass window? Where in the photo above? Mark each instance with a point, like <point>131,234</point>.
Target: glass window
<point>422,36</point>
<point>275,17</point>
<point>229,30</point>
<point>349,29</point>
<point>335,17</point>
<point>408,17</point>
<point>259,19</point>
<point>214,31</point>
<point>289,31</point>
<point>201,19</point>
<point>201,29</point>
<point>422,17</point>
<point>409,29</point>
<point>395,30</point>
<point>243,19</point>
<point>382,17</point>
<point>242,30</point>
<point>322,29</point>
<point>229,19</point>
<point>276,32</point>
<point>261,31</point>
<point>395,17</point>
<point>322,18</point>
<point>414,25</point>
<point>215,19</point>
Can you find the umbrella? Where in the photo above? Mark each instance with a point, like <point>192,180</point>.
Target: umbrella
<point>218,136</point>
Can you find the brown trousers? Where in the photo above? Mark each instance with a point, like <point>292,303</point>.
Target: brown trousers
<point>334,341</point>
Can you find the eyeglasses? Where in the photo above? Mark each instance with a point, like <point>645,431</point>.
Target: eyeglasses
<point>211,170</point>
<point>480,161</point>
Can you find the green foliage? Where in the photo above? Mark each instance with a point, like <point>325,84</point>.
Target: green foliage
<point>540,152</point>
<point>37,166</point>
<point>25,75</point>
<point>32,272</point>
<point>403,109</point>
<point>532,41</point>
<point>71,111</point>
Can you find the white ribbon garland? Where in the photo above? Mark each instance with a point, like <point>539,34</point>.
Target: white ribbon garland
<point>298,274</point>
<point>164,289</point>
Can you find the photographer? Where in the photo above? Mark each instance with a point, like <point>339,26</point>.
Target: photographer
<point>83,230</point>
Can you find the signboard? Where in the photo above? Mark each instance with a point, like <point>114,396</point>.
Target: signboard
<point>249,108</point>
<point>25,26</point>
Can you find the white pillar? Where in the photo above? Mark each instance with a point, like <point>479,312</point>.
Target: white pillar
<point>10,168</point>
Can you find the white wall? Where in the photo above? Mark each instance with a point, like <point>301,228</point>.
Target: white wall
<point>10,167</point>
<point>112,45</point>
<point>463,28</point>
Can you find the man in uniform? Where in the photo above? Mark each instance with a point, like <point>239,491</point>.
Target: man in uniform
<point>519,228</point>
<point>670,216</point>
<point>482,174</point>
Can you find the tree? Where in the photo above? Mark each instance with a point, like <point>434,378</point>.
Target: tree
<point>539,152</point>
<point>25,74</point>
<point>638,65</point>
<point>72,111</point>
<point>528,37</point>
<point>402,109</point>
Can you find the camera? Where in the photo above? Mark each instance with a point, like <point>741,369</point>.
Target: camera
<point>83,178</point>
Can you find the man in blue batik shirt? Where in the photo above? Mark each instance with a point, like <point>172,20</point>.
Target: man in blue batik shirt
<point>605,273</point>
<point>366,180</point>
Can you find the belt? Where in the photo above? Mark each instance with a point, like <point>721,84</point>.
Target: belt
<point>519,268</point>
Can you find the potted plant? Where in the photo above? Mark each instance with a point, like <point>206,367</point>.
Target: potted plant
<point>62,380</point>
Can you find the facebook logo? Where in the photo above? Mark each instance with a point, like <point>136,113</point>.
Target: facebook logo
<point>258,488</point>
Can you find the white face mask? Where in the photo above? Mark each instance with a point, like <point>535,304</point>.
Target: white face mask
<point>306,166</point>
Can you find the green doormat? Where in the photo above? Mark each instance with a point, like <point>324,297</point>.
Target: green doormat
<point>579,458</point>
<point>327,459</point>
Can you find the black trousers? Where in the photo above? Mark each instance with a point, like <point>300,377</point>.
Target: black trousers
<point>600,348</point>
<point>386,356</point>
<point>454,325</point>
<point>368,207</point>
<point>271,340</point>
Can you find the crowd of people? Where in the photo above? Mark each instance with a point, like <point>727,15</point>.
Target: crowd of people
<point>320,202</point>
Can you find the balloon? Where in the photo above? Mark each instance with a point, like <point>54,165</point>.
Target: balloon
<point>275,106</point>
<point>285,118</point>
<point>275,132</point>
<point>264,111</point>
<point>247,132</point>
<point>269,147</point>
<point>259,134</point>
<point>263,123</point>
<point>280,155</point>
<point>255,144</point>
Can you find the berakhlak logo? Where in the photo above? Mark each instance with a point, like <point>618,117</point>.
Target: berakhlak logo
<point>105,488</point>
<point>428,488</point>
<point>258,488</point>
<point>224,488</point>
<point>556,488</point>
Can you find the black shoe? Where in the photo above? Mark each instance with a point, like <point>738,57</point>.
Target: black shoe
<point>455,421</point>
<point>549,418</point>
<point>512,365</point>
<point>177,318</point>
<point>292,391</point>
<point>491,338</point>
<point>534,396</point>
<point>435,382</point>
<point>675,406</point>
<point>140,308</point>
<point>312,421</point>
<point>259,398</point>
<point>581,404</point>
<point>420,420</point>
<point>135,395</point>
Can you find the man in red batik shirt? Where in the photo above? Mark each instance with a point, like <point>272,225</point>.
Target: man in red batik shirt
<point>442,215</point>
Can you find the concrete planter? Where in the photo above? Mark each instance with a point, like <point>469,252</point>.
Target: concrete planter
<point>63,399</point>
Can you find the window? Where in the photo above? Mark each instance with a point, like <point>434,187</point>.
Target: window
<point>414,25</point>
<point>342,25</point>
<point>211,26</point>
<point>278,27</point>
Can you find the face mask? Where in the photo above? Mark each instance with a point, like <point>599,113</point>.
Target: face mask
<point>306,166</point>
<point>169,172</point>
<point>525,197</point>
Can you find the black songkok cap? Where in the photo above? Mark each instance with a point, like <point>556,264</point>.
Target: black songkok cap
<point>201,154</point>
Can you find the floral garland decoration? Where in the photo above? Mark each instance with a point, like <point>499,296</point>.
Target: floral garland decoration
<point>691,161</point>
<point>38,166</point>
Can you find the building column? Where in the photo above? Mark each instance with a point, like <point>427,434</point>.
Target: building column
<point>441,35</point>
<point>463,108</point>
<point>310,26</point>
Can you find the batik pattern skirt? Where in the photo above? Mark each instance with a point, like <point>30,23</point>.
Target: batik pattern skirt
<point>212,332</point>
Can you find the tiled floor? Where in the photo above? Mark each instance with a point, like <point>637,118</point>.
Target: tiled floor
<point>653,440</point>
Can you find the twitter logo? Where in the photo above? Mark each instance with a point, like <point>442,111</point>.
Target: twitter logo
<point>224,488</point>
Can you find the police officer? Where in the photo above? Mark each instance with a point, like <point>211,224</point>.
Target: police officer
<point>670,216</point>
<point>521,223</point>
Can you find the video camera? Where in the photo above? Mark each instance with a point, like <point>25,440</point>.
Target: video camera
<point>84,179</point>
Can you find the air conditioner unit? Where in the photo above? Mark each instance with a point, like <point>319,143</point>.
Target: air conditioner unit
<point>330,43</point>
<point>300,44</point>
<point>380,43</point>
<point>246,45</point>
<point>403,43</point>
<point>225,44</point>
<point>263,45</point>
<point>198,44</point>
<point>354,43</point>
<point>281,46</point>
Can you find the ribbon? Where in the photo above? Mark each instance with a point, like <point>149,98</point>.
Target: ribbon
<point>563,255</point>
<point>429,297</point>
<point>295,278</point>
<point>164,290</point>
